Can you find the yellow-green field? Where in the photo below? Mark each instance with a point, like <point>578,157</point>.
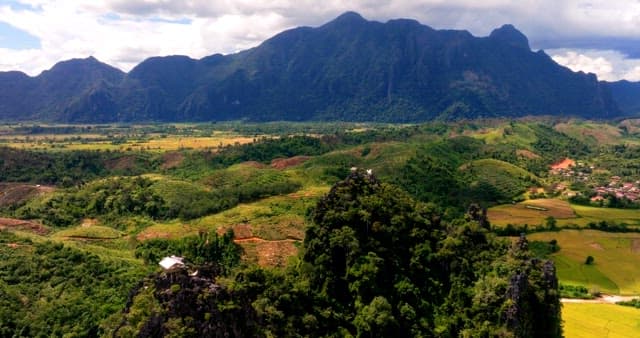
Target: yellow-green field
<point>600,320</point>
<point>518,134</point>
<point>531,212</point>
<point>535,212</point>
<point>616,268</point>
<point>593,214</point>
<point>273,218</point>
<point>594,133</point>
<point>154,143</point>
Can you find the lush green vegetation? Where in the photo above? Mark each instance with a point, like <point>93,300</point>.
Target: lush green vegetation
<point>374,261</point>
<point>205,248</point>
<point>577,291</point>
<point>358,257</point>
<point>633,303</point>
<point>49,289</point>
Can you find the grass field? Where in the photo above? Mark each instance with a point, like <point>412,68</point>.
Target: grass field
<point>565,213</point>
<point>90,232</point>
<point>600,320</point>
<point>594,214</point>
<point>531,212</point>
<point>518,134</point>
<point>616,268</point>
<point>152,142</point>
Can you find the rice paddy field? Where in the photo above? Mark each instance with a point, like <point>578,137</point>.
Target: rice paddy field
<point>535,212</point>
<point>616,268</point>
<point>157,143</point>
<point>588,320</point>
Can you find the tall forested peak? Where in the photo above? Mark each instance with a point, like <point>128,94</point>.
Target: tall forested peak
<point>90,64</point>
<point>157,63</point>
<point>347,18</point>
<point>164,69</point>
<point>627,95</point>
<point>76,75</point>
<point>349,69</point>
<point>509,34</point>
<point>13,75</point>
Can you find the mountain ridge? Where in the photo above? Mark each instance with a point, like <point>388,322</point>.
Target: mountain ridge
<point>348,69</point>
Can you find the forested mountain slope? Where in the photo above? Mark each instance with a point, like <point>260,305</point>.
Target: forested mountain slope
<point>348,69</point>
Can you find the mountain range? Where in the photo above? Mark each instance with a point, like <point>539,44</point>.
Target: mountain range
<point>348,69</point>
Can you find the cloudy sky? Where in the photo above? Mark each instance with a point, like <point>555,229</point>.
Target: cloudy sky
<point>598,36</point>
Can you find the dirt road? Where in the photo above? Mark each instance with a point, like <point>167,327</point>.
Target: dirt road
<point>604,299</point>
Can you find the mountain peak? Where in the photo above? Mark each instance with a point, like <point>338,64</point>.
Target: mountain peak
<point>349,18</point>
<point>349,69</point>
<point>86,63</point>
<point>509,34</point>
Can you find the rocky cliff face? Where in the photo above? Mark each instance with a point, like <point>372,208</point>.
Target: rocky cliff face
<point>177,303</point>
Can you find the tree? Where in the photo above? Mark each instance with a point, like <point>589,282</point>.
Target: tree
<point>589,261</point>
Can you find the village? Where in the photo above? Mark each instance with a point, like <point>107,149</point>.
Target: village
<point>570,170</point>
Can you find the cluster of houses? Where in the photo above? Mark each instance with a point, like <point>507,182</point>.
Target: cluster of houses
<point>570,169</point>
<point>579,171</point>
<point>628,190</point>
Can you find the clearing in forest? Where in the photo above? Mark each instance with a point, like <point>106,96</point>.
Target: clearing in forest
<point>564,164</point>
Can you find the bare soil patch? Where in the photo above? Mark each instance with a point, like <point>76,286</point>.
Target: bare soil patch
<point>596,246</point>
<point>531,212</point>
<point>171,160</point>
<point>17,193</point>
<point>275,253</point>
<point>635,245</point>
<point>554,207</point>
<point>241,231</point>
<point>283,163</point>
<point>527,154</point>
<point>604,299</point>
<point>89,222</point>
<point>18,224</point>
<point>301,195</point>
<point>121,163</point>
<point>564,164</point>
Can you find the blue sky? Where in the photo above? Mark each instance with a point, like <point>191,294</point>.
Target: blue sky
<point>599,36</point>
<point>14,38</point>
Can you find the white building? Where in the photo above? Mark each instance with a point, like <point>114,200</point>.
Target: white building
<point>171,262</point>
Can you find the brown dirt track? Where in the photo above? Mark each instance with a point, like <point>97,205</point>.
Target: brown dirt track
<point>18,224</point>
<point>284,163</point>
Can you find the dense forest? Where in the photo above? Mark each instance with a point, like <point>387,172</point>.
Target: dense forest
<point>374,263</point>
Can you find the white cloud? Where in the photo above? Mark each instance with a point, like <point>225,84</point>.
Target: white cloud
<point>125,32</point>
<point>608,65</point>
